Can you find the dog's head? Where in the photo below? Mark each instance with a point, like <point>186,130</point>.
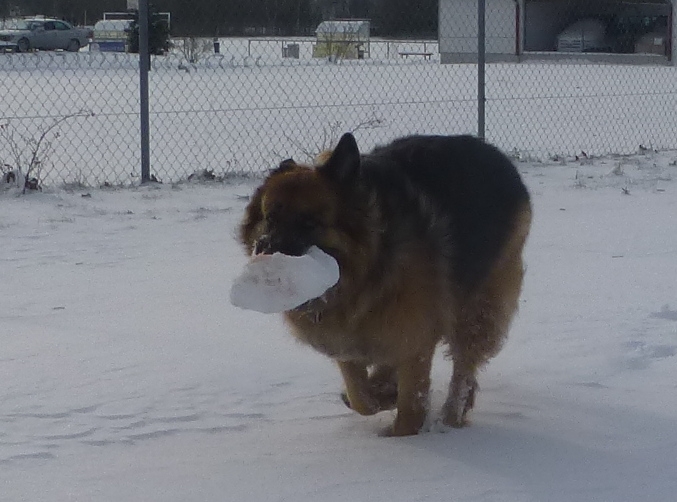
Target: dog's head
<point>298,206</point>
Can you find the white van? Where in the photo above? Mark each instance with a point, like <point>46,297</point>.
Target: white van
<point>111,34</point>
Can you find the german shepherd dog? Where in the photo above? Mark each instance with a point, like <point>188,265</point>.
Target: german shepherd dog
<point>428,233</point>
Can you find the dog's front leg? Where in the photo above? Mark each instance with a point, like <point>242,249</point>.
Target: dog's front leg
<point>358,392</point>
<point>413,385</point>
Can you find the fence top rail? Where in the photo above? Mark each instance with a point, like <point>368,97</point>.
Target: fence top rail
<point>313,39</point>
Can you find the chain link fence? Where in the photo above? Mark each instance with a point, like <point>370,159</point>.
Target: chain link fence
<point>562,78</point>
<point>580,77</point>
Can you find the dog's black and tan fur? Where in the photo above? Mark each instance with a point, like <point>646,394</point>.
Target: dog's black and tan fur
<point>428,233</point>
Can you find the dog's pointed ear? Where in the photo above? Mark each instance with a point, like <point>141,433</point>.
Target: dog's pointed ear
<point>285,165</point>
<point>344,164</point>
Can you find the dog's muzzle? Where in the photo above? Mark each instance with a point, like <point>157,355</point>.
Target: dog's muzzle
<point>271,243</point>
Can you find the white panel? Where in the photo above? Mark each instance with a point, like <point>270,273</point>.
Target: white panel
<point>458,26</point>
<point>501,24</point>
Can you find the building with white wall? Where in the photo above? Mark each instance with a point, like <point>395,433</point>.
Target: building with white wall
<point>634,31</point>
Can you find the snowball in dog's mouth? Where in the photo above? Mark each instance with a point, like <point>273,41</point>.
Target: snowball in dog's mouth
<point>276,282</point>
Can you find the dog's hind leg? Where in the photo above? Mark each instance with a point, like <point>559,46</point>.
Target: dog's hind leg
<point>480,331</point>
<point>383,385</point>
<point>482,323</point>
<point>477,337</point>
<point>461,399</point>
<point>479,334</point>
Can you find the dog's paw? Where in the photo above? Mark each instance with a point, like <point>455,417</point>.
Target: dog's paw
<point>382,401</point>
<point>346,401</point>
<point>395,432</point>
<point>407,425</point>
<point>460,401</point>
<point>366,404</point>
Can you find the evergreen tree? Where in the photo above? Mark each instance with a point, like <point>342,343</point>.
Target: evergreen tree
<point>158,33</point>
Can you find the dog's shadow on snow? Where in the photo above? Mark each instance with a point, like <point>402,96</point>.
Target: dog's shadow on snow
<point>560,450</point>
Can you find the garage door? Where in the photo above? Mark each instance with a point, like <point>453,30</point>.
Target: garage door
<point>619,27</point>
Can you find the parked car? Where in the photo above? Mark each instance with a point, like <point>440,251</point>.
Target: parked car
<point>585,35</point>
<point>45,34</point>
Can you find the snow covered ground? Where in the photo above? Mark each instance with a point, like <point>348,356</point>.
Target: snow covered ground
<point>127,375</point>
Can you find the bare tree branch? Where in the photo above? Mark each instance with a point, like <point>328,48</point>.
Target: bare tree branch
<point>29,153</point>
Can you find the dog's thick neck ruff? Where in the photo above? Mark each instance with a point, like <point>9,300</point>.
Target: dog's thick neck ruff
<point>313,310</point>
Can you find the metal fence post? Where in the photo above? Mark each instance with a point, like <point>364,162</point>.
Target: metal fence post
<point>144,66</point>
<point>481,64</point>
